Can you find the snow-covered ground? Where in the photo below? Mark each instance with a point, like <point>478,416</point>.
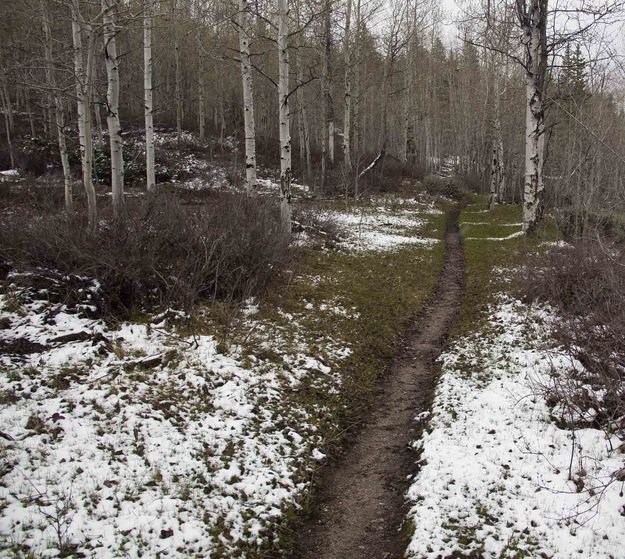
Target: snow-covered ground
<point>514,235</point>
<point>138,441</point>
<point>142,440</point>
<point>494,478</point>
<point>381,229</point>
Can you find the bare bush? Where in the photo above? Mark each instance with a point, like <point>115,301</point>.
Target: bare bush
<point>586,283</point>
<point>317,223</point>
<point>162,253</point>
<point>389,174</point>
<point>453,187</point>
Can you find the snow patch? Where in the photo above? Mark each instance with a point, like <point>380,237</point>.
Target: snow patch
<point>494,479</point>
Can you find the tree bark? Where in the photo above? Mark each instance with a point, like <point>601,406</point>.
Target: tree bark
<point>304,129</point>
<point>285,116</point>
<point>29,110</point>
<point>497,168</point>
<point>327,144</point>
<point>248,97</point>
<point>112,102</point>
<point>200,97</point>
<point>148,96</point>
<point>8,106</point>
<point>355,98</point>
<point>58,111</point>
<point>347,128</point>
<point>178,76</point>
<point>84,96</point>
<point>533,21</point>
<point>98,121</point>
<point>304,126</point>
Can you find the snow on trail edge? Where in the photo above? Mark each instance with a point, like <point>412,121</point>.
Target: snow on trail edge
<point>494,475</point>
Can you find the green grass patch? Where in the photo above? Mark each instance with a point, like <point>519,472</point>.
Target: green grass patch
<point>383,292</point>
<point>484,257</point>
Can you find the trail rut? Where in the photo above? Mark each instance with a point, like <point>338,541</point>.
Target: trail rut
<point>361,498</point>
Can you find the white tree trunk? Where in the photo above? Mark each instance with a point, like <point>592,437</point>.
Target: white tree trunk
<point>328,81</point>
<point>83,94</point>
<point>533,20</point>
<point>327,140</point>
<point>58,111</point>
<point>347,124</point>
<point>29,110</point>
<point>112,101</point>
<point>355,99</point>
<point>248,97</point>
<point>304,129</point>
<point>200,97</point>
<point>98,121</point>
<point>497,167</point>
<point>148,96</point>
<point>178,75</point>
<point>285,116</point>
<point>497,171</point>
<point>405,110</point>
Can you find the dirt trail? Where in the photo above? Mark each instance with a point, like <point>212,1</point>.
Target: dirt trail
<point>362,497</point>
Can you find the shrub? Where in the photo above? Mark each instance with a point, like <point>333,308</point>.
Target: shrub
<point>381,174</point>
<point>34,154</point>
<point>32,196</point>
<point>134,162</point>
<point>438,186</point>
<point>472,182</point>
<point>5,158</point>
<point>317,223</point>
<point>586,283</point>
<point>163,253</point>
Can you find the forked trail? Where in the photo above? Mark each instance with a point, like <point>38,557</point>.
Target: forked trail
<point>361,498</point>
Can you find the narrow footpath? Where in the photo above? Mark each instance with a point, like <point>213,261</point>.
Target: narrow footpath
<point>361,498</point>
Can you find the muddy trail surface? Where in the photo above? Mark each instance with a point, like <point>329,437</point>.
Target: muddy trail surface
<point>361,498</point>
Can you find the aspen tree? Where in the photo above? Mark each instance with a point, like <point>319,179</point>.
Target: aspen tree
<point>178,72</point>
<point>112,104</point>
<point>497,169</point>
<point>84,94</point>
<point>248,97</point>
<point>327,143</point>
<point>284,115</point>
<point>200,94</point>
<point>6,109</point>
<point>304,129</point>
<point>148,95</point>
<point>58,110</point>
<point>532,18</point>
<point>347,90</point>
<point>355,98</point>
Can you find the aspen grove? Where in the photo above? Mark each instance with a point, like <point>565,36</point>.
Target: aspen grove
<point>310,279</point>
<point>377,77</point>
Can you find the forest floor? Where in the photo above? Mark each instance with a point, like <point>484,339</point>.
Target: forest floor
<point>321,420</point>
<point>362,498</point>
<point>165,436</point>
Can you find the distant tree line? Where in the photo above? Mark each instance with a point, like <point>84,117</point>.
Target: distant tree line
<point>528,106</point>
